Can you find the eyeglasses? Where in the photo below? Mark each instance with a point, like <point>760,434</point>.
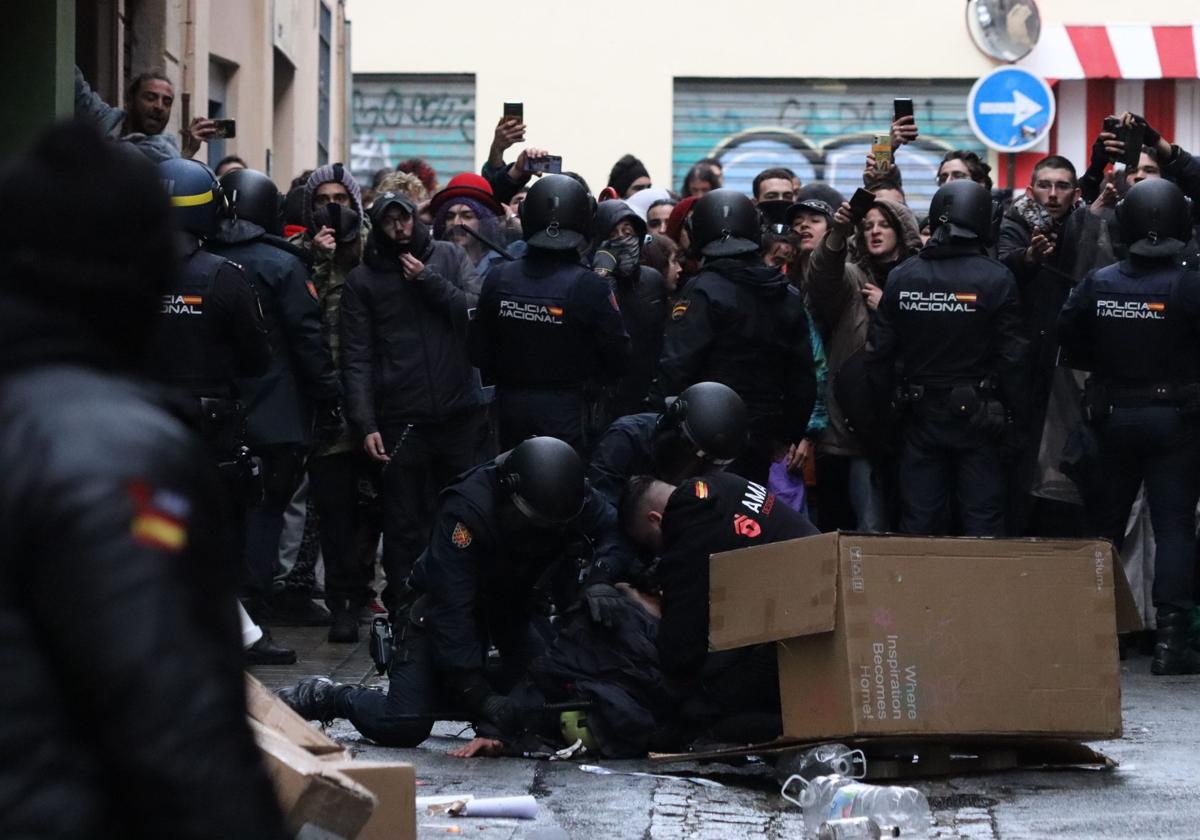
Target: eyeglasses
<point>1057,186</point>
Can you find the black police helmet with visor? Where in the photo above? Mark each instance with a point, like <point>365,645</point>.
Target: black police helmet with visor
<point>725,223</point>
<point>1155,219</point>
<point>544,479</point>
<point>961,210</point>
<point>704,428</point>
<point>556,214</point>
<point>197,200</point>
<point>255,198</point>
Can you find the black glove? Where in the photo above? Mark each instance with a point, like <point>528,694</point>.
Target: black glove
<point>604,602</point>
<point>1100,158</point>
<point>500,711</point>
<point>1150,137</point>
<point>604,263</point>
<point>328,424</point>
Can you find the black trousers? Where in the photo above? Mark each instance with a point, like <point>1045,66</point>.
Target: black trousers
<point>282,466</point>
<point>333,485</point>
<point>425,459</point>
<point>523,413</point>
<point>1156,445</point>
<point>942,458</point>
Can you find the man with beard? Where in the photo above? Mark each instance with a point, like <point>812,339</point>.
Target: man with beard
<point>467,214</point>
<point>413,398</point>
<point>151,97</point>
<point>742,324</point>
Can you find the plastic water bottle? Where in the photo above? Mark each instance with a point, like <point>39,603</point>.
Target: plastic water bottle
<point>855,828</point>
<point>828,798</point>
<point>822,760</point>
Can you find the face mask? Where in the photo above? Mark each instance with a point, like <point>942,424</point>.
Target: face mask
<point>628,251</point>
<point>344,222</point>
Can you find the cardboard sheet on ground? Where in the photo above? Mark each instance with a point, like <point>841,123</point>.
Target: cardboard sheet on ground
<point>933,639</point>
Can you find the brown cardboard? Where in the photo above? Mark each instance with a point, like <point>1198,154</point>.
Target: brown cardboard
<point>311,791</point>
<point>395,787</point>
<point>263,706</point>
<point>934,637</point>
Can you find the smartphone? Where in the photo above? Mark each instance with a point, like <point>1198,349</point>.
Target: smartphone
<point>1112,125</point>
<point>1134,137</point>
<point>860,203</point>
<point>551,164</point>
<point>226,129</point>
<point>515,110</point>
<point>881,148</point>
<point>901,107</point>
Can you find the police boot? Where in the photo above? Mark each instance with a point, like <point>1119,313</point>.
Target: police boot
<point>315,698</point>
<point>266,651</point>
<point>1173,650</point>
<point>344,629</point>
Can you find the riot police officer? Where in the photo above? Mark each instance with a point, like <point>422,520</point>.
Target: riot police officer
<point>209,332</point>
<point>499,531</point>
<point>742,324</point>
<point>684,525</point>
<point>702,430</point>
<point>299,380</point>
<point>546,327</point>
<point>1136,326</point>
<point>949,321</point>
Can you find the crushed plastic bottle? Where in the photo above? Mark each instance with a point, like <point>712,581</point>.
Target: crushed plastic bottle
<point>855,828</point>
<point>822,760</point>
<point>828,798</point>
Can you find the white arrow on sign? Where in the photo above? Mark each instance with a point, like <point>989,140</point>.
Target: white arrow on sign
<point>1021,107</point>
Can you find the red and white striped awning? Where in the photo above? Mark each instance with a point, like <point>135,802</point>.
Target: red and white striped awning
<point>1115,51</point>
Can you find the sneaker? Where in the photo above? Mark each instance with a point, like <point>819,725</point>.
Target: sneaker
<point>266,652</point>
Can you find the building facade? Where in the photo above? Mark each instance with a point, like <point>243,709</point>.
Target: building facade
<point>756,83</point>
<point>280,68</point>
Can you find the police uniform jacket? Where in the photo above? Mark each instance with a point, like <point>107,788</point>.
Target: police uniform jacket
<point>301,374</point>
<point>624,450</point>
<point>704,516</point>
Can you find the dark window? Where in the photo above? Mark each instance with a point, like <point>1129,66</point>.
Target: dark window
<point>325,54</point>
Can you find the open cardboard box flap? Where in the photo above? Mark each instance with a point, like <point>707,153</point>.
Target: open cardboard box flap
<point>263,706</point>
<point>768,593</point>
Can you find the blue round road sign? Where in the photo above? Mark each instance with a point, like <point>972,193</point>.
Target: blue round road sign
<point>1010,109</point>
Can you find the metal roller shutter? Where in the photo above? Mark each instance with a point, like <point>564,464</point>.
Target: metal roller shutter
<point>397,116</point>
<point>821,130</point>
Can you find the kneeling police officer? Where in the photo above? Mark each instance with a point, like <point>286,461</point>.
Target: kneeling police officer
<point>949,320</point>
<point>500,530</point>
<point>1136,326</point>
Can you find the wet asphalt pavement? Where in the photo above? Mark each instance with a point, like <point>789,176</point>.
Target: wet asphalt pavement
<point>1154,793</point>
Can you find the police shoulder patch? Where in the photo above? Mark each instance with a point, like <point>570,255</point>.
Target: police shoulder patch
<point>461,535</point>
<point>701,489</point>
<point>678,310</point>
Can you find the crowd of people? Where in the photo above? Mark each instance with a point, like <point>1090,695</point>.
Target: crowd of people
<point>550,405</point>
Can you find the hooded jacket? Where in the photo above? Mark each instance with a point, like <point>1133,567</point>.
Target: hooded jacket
<point>403,342</point>
<point>124,711</point>
<point>835,287</point>
<point>743,324</point>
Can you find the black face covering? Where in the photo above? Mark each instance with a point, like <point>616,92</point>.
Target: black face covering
<point>345,223</point>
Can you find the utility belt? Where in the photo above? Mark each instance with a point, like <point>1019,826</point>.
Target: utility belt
<point>978,403</point>
<point>1100,398</point>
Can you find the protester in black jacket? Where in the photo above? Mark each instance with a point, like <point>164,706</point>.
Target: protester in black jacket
<point>123,713</point>
<point>412,395</point>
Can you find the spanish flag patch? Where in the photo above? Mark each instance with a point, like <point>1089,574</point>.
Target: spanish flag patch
<point>461,536</point>
<point>159,518</point>
<point>701,490</point>
<point>679,309</point>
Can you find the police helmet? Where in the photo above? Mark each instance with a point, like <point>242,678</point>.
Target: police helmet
<point>702,428</point>
<point>556,214</point>
<point>964,208</point>
<point>196,196</point>
<point>253,197</point>
<point>1155,218</point>
<point>724,223</point>
<point>544,478</point>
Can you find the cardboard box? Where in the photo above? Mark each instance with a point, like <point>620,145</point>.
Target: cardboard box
<point>395,787</point>
<point>263,706</point>
<point>885,636</point>
<point>312,791</point>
